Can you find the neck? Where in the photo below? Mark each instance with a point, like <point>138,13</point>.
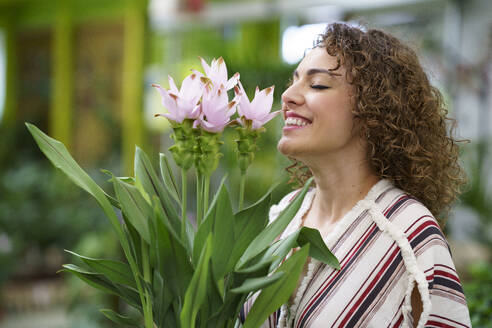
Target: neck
<point>339,186</point>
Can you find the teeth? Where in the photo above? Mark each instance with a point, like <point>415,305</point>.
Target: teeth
<point>295,121</point>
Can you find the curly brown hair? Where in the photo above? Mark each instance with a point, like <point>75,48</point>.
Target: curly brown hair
<point>401,116</point>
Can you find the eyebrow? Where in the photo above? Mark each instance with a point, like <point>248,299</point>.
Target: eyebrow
<point>317,71</point>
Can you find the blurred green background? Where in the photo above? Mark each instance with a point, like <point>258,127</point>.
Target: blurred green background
<point>81,70</point>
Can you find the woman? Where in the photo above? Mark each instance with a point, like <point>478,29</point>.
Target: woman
<point>362,118</point>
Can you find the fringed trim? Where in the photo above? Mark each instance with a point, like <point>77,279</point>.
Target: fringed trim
<point>410,261</point>
<point>282,319</point>
<point>312,266</point>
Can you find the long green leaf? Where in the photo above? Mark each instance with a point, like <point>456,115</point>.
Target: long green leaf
<point>223,232</point>
<point>98,281</point>
<point>273,296</point>
<point>134,206</point>
<point>248,223</point>
<point>120,319</point>
<point>259,264</point>
<point>134,241</point>
<point>161,299</point>
<point>281,248</point>
<point>197,289</point>
<point>146,177</point>
<point>231,306</point>
<point>168,177</point>
<point>213,300</point>
<point>115,271</point>
<point>172,258</point>
<point>208,224</point>
<point>58,154</point>
<point>268,235</point>
<point>318,248</point>
<point>254,284</point>
<point>272,256</point>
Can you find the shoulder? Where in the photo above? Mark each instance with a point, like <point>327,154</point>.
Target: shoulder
<point>412,218</point>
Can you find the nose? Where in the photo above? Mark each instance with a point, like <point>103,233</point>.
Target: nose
<point>292,96</point>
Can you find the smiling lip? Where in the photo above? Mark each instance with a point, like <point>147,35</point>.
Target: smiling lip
<point>294,127</point>
<point>292,114</point>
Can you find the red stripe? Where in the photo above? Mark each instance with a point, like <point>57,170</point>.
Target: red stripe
<point>422,227</point>
<point>417,221</point>
<point>381,272</point>
<point>332,276</point>
<point>447,267</point>
<point>370,287</point>
<point>456,322</point>
<point>447,275</point>
<point>398,323</point>
<point>438,324</point>
<point>400,319</point>
<point>370,274</point>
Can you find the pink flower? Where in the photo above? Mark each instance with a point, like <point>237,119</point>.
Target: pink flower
<point>216,110</point>
<point>182,104</point>
<point>258,110</point>
<point>217,73</point>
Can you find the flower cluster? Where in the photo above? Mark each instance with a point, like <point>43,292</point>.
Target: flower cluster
<point>201,109</point>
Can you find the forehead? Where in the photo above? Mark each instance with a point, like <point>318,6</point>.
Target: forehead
<point>318,58</point>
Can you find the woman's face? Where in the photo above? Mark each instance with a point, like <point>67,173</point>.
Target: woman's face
<point>318,111</point>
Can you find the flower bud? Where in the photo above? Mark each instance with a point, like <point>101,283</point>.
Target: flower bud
<point>207,152</point>
<point>183,147</point>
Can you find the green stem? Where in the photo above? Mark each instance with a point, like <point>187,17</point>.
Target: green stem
<point>147,307</point>
<point>241,190</point>
<point>206,189</point>
<point>136,275</point>
<point>199,201</point>
<point>183,202</point>
<point>133,266</point>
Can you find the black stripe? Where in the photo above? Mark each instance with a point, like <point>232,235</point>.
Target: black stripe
<point>376,290</point>
<point>424,234</point>
<point>446,282</point>
<point>242,316</point>
<point>277,317</point>
<point>397,205</point>
<point>339,275</point>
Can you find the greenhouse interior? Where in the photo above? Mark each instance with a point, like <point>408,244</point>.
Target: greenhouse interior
<point>82,71</point>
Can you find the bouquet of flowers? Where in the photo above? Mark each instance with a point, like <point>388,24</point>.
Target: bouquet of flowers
<point>183,274</point>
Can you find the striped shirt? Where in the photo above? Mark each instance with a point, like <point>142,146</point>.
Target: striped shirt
<point>387,244</point>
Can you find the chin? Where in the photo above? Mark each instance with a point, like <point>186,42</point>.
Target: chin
<point>287,148</point>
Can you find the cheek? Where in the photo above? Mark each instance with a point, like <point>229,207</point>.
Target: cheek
<point>336,114</point>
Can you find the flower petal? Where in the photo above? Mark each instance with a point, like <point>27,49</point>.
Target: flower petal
<point>212,127</point>
<point>172,85</point>
<point>192,88</point>
<point>168,100</point>
<point>205,66</point>
<point>232,81</point>
<point>259,123</point>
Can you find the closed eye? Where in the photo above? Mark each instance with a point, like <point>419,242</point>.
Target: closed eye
<point>319,87</point>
